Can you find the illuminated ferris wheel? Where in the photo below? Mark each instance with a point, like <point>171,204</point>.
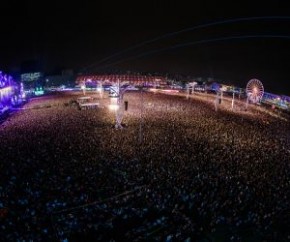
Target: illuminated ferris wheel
<point>255,90</point>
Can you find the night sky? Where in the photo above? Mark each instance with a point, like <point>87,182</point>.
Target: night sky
<point>77,34</point>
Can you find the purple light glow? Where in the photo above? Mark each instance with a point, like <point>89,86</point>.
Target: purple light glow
<point>9,91</point>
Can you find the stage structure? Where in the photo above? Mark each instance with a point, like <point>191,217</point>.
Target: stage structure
<point>255,91</point>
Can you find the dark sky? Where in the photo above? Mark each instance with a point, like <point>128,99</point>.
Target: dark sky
<point>76,34</point>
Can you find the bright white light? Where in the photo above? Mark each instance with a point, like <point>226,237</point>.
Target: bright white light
<point>5,90</point>
<point>113,107</point>
<point>169,91</point>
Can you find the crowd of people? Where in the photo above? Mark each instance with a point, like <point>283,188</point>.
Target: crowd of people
<point>178,170</point>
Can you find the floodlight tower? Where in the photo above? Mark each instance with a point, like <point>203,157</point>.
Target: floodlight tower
<point>117,92</point>
<point>190,86</point>
<point>100,89</point>
<point>83,87</point>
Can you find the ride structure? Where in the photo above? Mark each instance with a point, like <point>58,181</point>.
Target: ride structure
<point>254,91</point>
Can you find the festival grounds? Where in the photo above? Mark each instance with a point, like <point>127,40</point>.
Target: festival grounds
<point>178,171</point>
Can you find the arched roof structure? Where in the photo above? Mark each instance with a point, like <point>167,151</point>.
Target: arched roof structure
<point>136,80</point>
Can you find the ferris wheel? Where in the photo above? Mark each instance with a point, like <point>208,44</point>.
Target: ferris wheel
<point>255,90</point>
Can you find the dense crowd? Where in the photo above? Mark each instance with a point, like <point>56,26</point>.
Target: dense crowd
<point>177,171</point>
